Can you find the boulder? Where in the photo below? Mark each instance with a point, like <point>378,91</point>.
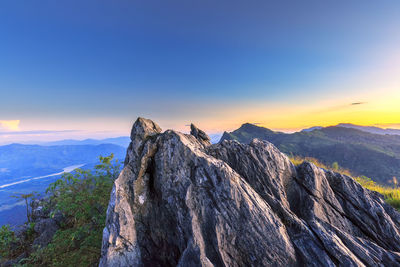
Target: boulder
<point>45,229</point>
<point>200,135</point>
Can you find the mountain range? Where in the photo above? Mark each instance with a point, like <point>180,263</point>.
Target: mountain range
<point>371,129</point>
<point>368,129</point>
<point>353,147</point>
<point>120,141</point>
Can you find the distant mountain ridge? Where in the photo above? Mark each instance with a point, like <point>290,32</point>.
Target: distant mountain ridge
<point>120,141</point>
<point>312,129</point>
<point>368,129</point>
<point>373,155</point>
<point>18,160</point>
<point>371,129</point>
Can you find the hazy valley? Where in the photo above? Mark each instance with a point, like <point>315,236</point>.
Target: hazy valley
<point>31,168</point>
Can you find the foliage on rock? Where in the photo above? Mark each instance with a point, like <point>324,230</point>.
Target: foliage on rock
<point>78,203</point>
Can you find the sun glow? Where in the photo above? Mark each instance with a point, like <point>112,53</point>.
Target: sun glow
<point>379,108</point>
<point>9,125</point>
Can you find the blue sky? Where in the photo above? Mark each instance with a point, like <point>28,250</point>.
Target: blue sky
<point>95,66</point>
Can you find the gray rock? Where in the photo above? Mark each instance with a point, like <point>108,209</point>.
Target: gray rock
<point>45,229</point>
<point>199,134</point>
<point>20,232</point>
<point>15,261</point>
<point>180,201</point>
<point>38,210</point>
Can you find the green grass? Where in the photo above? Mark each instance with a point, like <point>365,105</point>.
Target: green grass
<point>391,194</point>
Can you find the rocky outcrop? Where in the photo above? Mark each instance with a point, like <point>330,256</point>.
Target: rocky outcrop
<point>200,135</point>
<point>180,201</point>
<point>35,234</point>
<point>45,225</point>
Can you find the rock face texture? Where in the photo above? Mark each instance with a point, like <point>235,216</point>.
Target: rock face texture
<point>180,201</point>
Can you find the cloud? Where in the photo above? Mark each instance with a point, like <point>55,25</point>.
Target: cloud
<point>9,125</point>
<point>38,132</point>
<point>388,125</point>
<point>336,108</point>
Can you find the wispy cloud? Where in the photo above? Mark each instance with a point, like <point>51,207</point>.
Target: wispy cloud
<point>337,107</point>
<point>388,125</point>
<point>9,125</point>
<point>38,132</point>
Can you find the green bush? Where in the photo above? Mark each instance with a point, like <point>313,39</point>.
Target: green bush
<point>335,166</point>
<point>7,238</point>
<point>82,199</point>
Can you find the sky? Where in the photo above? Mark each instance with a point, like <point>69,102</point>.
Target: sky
<point>79,69</point>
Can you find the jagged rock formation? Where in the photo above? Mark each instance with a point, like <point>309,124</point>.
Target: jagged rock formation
<point>200,135</point>
<point>180,201</point>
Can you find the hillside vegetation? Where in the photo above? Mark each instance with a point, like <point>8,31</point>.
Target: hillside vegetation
<point>78,203</point>
<point>364,154</point>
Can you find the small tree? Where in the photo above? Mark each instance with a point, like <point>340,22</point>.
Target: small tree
<point>335,166</point>
<point>27,198</point>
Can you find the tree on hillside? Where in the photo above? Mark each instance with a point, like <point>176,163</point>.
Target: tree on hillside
<point>28,199</point>
<point>335,166</point>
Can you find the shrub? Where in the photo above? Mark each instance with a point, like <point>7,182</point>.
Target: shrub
<point>82,198</point>
<point>7,239</point>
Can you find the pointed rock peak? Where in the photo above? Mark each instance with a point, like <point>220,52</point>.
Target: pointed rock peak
<point>143,128</point>
<point>199,134</point>
<point>248,124</point>
<point>252,126</point>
